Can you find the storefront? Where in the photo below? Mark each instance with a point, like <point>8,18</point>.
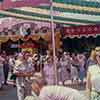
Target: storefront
<point>41,42</point>
<point>81,38</point>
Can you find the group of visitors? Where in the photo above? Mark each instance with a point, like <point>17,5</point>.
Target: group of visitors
<point>41,91</point>
<point>27,71</point>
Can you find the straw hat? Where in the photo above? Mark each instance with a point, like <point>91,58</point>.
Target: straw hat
<point>65,53</point>
<point>46,58</point>
<point>36,76</point>
<point>97,49</point>
<point>18,63</point>
<point>35,57</point>
<point>39,75</point>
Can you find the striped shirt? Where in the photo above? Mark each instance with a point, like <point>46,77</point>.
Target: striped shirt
<point>60,93</point>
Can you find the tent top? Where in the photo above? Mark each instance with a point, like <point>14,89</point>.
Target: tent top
<point>66,12</point>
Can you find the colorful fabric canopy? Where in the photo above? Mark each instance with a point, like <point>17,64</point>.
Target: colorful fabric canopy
<point>7,4</point>
<point>67,12</point>
<point>85,30</point>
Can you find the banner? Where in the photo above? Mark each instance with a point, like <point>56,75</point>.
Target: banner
<point>85,30</point>
<point>7,4</point>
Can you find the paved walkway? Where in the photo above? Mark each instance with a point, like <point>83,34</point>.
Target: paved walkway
<point>8,93</point>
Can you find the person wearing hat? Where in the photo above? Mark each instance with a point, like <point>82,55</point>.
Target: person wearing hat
<point>93,77</point>
<point>24,71</point>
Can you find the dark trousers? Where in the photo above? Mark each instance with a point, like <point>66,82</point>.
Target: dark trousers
<point>6,70</point>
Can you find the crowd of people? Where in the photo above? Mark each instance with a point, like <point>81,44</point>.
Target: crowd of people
<point>23,68</point>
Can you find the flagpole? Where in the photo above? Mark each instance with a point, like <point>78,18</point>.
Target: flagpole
<point>19,46</point>
<point>53,41</point>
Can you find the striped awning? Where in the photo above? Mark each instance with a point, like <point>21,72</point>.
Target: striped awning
<point>67,12</point>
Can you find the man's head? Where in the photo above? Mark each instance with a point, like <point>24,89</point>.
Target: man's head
<point>26,55</point>
<point>20,57</point>
<point>37,84</point>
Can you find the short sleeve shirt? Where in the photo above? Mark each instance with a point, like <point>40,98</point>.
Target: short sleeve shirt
<point>60,93</point>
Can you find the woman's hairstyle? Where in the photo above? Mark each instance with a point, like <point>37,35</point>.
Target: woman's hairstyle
<point>95,52</point>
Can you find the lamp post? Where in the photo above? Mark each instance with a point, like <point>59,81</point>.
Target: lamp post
<point>53,41</point>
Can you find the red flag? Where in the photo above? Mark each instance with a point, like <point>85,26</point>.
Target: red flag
<point>7,4</point>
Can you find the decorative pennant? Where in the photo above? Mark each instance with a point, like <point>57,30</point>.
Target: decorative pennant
<point>85,30</point>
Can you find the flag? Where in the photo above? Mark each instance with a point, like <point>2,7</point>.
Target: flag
<point>7,4</point>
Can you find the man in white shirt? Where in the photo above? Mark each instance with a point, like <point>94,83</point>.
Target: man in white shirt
<point>53,92</point>
<point>24,71</point>
<point>60,93</point>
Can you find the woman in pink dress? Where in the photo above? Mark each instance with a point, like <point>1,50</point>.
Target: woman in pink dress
<point>48,71</point>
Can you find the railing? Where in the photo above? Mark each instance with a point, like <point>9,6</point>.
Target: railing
<point>78,86</point>
<point>75,85</point>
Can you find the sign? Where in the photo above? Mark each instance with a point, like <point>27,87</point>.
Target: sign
<point>7,4</point>
<point>84,30</point>
<point>14,46</point>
